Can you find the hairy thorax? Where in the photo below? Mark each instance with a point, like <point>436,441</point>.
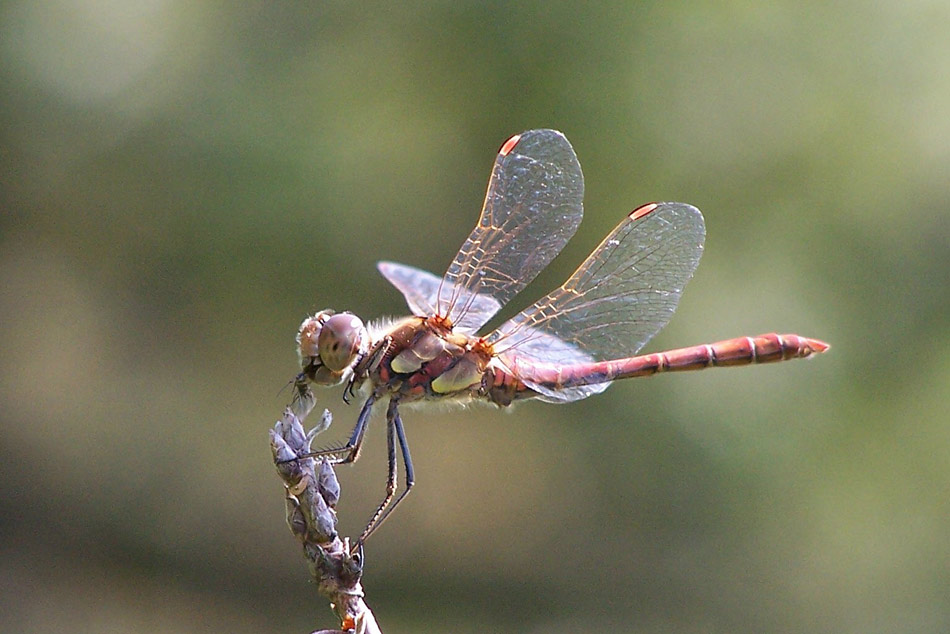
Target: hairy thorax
<point>424,360</point>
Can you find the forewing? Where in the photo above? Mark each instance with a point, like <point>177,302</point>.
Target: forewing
<point>618,299</point>
<point>533,206</point>
<point>421,289</point>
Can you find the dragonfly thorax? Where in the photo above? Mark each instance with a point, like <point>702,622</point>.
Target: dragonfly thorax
<point>329,345</point>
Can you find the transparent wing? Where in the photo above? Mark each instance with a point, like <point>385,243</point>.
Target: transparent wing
<point>533,206</point>
<point>618,299</point>
<point>536,345</point>
<point>421,288</point>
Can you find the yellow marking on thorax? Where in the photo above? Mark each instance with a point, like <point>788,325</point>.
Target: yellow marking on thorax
<point>461,376</point>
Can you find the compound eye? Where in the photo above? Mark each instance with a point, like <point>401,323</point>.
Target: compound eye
<point>341,339</point>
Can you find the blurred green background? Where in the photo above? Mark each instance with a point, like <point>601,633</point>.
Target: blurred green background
<point>182,183</point>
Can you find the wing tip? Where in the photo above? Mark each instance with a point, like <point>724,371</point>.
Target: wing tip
<point>509,145</point>
<point>649,208</point>
<point>643,210</point>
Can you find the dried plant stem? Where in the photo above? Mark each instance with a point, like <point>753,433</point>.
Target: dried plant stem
<point>312,492</point>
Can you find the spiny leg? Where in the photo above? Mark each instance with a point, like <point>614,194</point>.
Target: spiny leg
<point>407,462</point>
<point>393,427</point>
<point>365,366</point>
<point>391,475</point>
<point>351,450</point>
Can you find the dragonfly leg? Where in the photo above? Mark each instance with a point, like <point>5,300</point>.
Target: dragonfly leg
<point>407,462</point>
<point>366,364</point>
<point>394,432</point>
<point>351,450</point>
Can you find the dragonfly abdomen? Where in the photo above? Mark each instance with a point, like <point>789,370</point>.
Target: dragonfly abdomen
<point>767,348</point>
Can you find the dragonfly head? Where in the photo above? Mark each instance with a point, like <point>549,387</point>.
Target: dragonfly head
<point>329,345</point>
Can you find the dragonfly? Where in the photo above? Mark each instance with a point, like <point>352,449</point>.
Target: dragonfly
<point>570,344</point>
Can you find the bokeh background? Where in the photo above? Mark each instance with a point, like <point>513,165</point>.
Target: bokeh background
<point>183,182</point>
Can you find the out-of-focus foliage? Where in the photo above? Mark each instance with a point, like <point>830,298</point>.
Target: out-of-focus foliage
<point>181,182</point>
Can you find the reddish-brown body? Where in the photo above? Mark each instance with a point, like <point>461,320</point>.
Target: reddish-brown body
<point>436,353</point>
<point>739,351</point>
